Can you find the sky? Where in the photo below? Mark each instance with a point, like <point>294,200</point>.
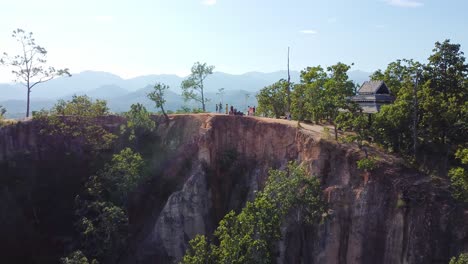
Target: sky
<point>138,37</point>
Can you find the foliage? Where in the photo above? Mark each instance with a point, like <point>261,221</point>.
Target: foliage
<point>367,164</point>
<point>2,112</point>
<point>461,259</point>
<point>249,237</point>
<point>272,99</point>
<point>459,176</point>
<point>76,257</point>
<point>431,107</point>
<point>199,251</point>
<point>103,229</point>
<point>193,86</point>
<point>29,66</point>
<point>157,96</point>
<point>122,175</point>
<point>139,122</point>
<point>353,119</point>
<point>322,94</point>
<point>400,203</point>
<point>77,120</point>
<point>102,210</point>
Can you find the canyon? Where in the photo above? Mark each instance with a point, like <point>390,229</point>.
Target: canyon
<point>205,165</point>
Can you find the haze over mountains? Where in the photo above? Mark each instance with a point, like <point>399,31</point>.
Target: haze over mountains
<point>240,90</point>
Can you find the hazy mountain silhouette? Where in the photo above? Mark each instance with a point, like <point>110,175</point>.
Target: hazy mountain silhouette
<point>121,93</point>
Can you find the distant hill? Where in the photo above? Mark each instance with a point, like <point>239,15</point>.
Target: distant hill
<point>121,93</point>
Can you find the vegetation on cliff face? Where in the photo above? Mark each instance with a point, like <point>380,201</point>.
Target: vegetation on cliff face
<point>462,259</point>
<point>250,236</point>
<point>77,120</point>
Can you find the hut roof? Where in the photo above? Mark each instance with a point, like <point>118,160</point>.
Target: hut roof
<point>374,87</point>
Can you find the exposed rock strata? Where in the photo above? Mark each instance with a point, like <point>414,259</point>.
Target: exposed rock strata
<point>210,164</point>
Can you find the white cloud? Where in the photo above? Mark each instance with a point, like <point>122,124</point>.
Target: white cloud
<point>209,2</point>
<point>308,31</point>
<point>104,19</point>
<point>380,26</point>
<point>405,3</point>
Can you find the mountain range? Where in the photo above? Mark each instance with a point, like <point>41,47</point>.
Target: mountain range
<point>120,93</point>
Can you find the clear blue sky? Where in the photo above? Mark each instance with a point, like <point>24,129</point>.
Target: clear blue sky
<point>139,37</point>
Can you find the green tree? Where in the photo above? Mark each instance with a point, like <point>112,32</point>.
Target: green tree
<point>395,74</point>
<point>157,96</point>
<point>102,209</point>
<point>459,176</point>
<point>77,120</point>
<point>29,66</point>
<point>103,229</point>
<point>392,122</point>
<point>122,175</point>
<point>307,103</point>
<point>272,99</point>
<point>444,103</point>
<point>193,87</point>
<point>337,89</point>
<point>139,123</point>
<point>250,236</point>
<point>81,106</point>
<point>462,259</point>
<point>76,257</point>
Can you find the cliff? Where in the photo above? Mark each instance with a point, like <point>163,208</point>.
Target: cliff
<point>205,165</point>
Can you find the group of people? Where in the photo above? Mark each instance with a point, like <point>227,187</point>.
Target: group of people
<point>234,111</point>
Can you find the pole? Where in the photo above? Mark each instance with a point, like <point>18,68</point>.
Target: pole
<point>289,87</point>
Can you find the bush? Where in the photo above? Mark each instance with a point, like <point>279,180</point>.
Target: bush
<point>249,236</point>
<point>462,259</point>
<point>367,164</point>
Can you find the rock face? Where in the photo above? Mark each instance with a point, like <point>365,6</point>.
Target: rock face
<point>211,164</point>
<point>390,215</point>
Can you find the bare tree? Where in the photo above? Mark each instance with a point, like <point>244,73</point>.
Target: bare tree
<point>29,67</point>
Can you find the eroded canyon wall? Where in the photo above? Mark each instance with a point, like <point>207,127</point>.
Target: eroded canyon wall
<point>206,165</point>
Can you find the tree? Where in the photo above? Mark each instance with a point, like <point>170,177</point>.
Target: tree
<point>122,175</point>
<point>77,121</point>
<point>29,66</point>
<point>336,91</point>
<point>139,125</point>
<point>102,209</point>
<point>76,257</point>
<point>157,96</point>
<point>459,176</point>
<point>307,103</point>
<point>250,236</point>
<point>193,86</point>
<point>272,100</point>
<point>444,97</point>
<point>461,259</point>
<point>2,112</point>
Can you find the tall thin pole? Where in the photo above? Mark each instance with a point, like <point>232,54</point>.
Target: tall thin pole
<point>289,87</point>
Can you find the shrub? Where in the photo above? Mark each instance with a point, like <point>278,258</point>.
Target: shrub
<point>367,164</point>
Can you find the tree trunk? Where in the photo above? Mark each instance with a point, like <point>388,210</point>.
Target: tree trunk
<point>165,115</point>
<point>336,131</point>
<point>202,97</point>
<point>27,101</point>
